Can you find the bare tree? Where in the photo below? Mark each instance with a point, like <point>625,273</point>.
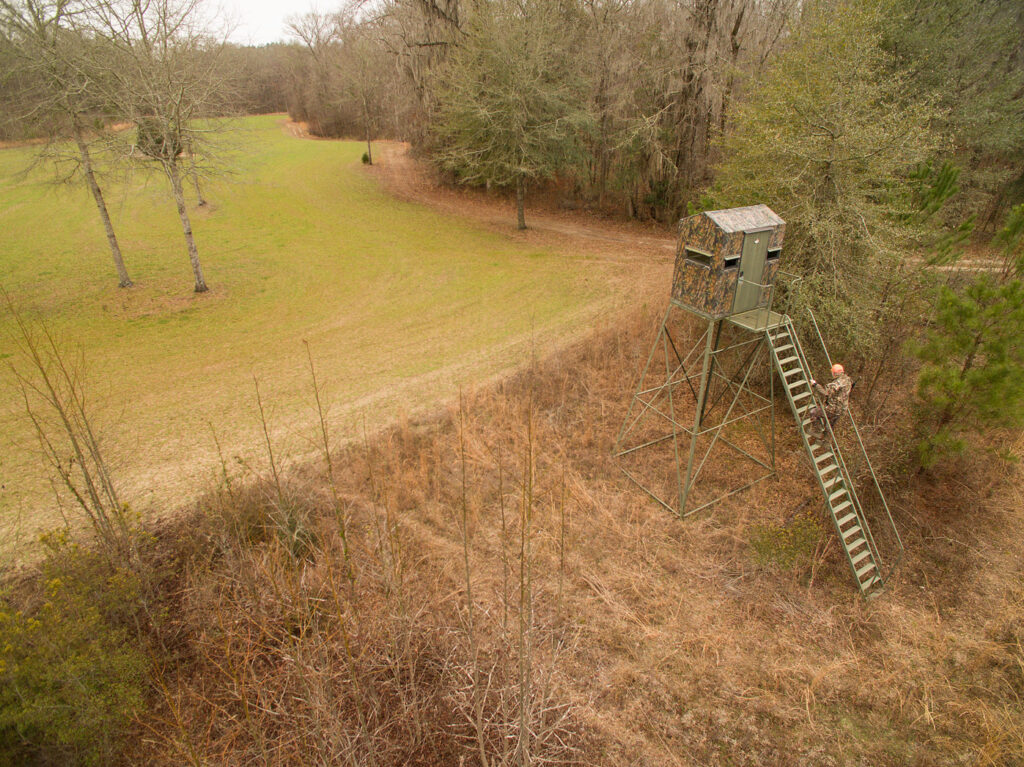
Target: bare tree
<point>663,75</point>
<point>419,35</point>
<point>167,81</point>
<point>58,76</point>
<point>363,61</point>
<point>318,32</point>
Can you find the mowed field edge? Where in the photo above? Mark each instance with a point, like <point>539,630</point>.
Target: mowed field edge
<point>400,305</point>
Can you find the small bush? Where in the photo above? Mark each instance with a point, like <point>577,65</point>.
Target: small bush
<point>366,158</point>
<point>787,546</point>
<point>71,676</point>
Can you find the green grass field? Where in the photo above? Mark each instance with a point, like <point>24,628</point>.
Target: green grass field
<point>400,306</point>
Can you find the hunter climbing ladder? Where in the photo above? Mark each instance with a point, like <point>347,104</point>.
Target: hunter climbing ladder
<point>828,465</point>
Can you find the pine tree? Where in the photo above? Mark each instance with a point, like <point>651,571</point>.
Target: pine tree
<point>511,100</point>
<point>828,139</point>
<point>973,373</point>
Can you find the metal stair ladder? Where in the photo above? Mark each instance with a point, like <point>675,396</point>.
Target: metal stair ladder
<point>827,460</point>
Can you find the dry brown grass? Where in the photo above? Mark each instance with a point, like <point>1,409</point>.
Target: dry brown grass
<point>650,640</point>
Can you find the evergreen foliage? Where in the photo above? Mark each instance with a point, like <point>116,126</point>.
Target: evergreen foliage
<point>511,106</point>
<point>973,373</point>
<point>829,140</point>
<point>969,57</point>
<point>71,674</point>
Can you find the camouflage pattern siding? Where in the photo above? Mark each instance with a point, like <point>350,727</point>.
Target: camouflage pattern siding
<point>710,289</point>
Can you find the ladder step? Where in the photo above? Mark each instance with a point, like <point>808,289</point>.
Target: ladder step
<point>865,569</point>
<point>788,360</point>
<point>801,382</point>
<point>779,349</point>
<point>830,467</point>
<point>860,557</point>
<point>831,482</point>
<point>788,373</point>
<point>818,459</point>
<point>851,532</point>
<point>856,544</point>
<point>840,507</point>
<point>869,583</point>
<point>837,494</point>
<point>846,519</point>
<point>801,396</point>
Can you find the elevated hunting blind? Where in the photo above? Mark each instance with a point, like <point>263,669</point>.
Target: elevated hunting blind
<point>711,410</point>
<point>726,260</point>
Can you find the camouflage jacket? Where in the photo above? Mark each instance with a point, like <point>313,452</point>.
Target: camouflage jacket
<point>836,394</point>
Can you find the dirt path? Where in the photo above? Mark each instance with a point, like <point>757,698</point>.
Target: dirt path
<point>581,233</point>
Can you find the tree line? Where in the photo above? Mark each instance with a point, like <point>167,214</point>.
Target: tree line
<point>639,95</point>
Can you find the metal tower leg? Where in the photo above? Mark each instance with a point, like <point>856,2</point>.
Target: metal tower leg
<point>702,393</point>
<point>661,404</point>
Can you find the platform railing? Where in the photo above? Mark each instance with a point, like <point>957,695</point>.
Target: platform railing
<point>762,285</point>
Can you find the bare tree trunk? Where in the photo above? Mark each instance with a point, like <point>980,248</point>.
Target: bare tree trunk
<point>124,281</point>
<point>520,200</point>
<point>692,144</point>
<point>734,56</point>
<point>199,190</point>
<point>179,198</point>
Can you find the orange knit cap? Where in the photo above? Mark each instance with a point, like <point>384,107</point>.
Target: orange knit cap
<point>837,369</point>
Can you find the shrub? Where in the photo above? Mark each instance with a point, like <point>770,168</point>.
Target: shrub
<point>972,379</point>
<point>71,678</point>
<point>786,546</point>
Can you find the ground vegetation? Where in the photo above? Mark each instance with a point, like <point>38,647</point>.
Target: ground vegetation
<point>482,586</point>
<point>402,300</point>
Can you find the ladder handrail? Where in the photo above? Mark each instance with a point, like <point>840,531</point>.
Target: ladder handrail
<point>864,452</point>
<point>840,462</point>
<point>787,326</point>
